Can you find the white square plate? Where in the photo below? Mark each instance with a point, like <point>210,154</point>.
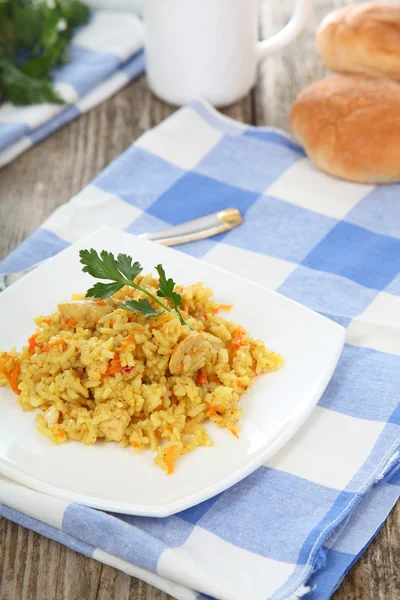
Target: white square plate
<point>108,477</point>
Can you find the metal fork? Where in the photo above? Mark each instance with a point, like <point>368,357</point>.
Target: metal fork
<point>190,231</point>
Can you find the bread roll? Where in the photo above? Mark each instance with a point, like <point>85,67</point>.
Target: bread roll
<point>350,127</point>
<point>362,39</point>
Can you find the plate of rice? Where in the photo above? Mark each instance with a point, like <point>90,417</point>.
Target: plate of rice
<point>139,401</point>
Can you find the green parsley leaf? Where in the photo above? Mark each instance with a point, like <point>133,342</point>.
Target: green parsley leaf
<point>140,306</point>
<point>28,19</point>
<point>37,66</point>
<point>101,267</point>
<point>19,88</point>
<point>129,269</point>
<point>105,266</point>
<point>167,288</point>
<point>103,290</point>
<point>110,266</point>
<point>76,13</point>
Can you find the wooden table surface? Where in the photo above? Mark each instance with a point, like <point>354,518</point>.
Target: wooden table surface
<point>31,566</point>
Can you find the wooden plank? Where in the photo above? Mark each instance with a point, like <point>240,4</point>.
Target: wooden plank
<point>376,574</point>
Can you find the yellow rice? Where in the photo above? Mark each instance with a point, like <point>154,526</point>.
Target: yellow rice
<point>112,382</point>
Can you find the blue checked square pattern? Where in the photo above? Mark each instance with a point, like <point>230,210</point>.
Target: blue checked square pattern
<point>289,528</point>
<point>378,211</point>
<point>342,296</point>
<point>144,184</point>
<point>357,254</point>
<point>244,162</point>
<point>194,195</point>
<point>272,227</point>
<point>285,519</point>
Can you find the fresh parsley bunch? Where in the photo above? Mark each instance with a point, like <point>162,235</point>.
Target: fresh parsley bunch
<point>34,36</point>
<point>123,271</point>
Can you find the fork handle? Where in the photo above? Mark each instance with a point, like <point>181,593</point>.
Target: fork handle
<point>198,229</point>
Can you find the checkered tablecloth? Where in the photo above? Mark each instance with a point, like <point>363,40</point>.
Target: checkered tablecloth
<point>104,56</point>
<point>297,524</point>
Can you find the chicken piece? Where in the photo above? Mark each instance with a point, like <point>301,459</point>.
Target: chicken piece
<point>193,352</point>
<point>51,416</point>
<point>113,423</point>
<point>86,312</point>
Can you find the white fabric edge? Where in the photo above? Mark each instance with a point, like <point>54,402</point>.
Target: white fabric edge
<point>238,124</point>
<point>32,503</point>
<point>173,589</point>
<point>102,92</point>
<point>299,593</point>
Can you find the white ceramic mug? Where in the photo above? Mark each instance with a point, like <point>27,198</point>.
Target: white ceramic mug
<point>209,48</point>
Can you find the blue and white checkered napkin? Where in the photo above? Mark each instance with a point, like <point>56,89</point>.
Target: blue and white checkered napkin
<point>104,56</point>
<point>298,523</point>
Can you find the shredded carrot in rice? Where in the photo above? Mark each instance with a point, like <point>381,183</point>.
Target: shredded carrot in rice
<point>12,377</point>
<point>70,322</point>
<point>33,344</point>
<point>101,302</point>
<point>201,378</point>
<point>135,444</point>
<point>224,307</point>
<point>59,342</point>
<point>237,340</point>
<point>212,410</point>
<point>128,340</point>
<point>170,459</point>
<point>160,321</point>
<point>115,366</point>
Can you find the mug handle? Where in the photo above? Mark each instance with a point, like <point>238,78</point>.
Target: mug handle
<point>289,32</point>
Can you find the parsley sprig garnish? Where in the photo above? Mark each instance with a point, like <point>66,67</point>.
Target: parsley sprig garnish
<point>122,271</point>
<point>34,39</point>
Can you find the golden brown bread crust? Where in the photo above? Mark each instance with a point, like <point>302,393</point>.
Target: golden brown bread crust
<point>350,127</point>
<point>362,39</point>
